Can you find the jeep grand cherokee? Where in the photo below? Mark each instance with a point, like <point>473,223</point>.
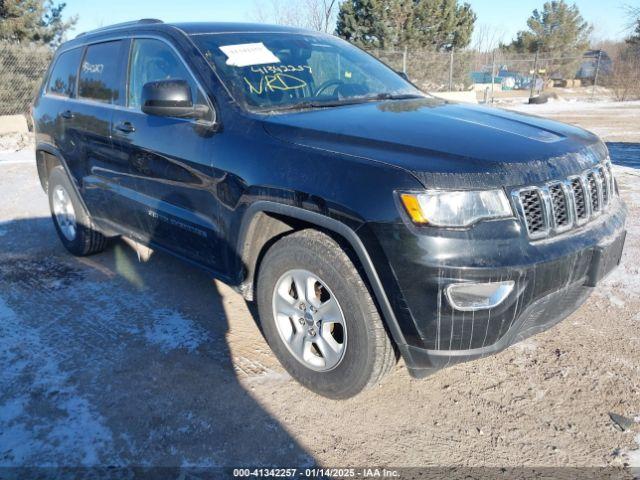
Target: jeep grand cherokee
<point>367,219</point>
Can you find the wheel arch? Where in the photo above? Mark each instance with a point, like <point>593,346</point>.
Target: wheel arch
<point>265,222</point>
<point>47,158</point>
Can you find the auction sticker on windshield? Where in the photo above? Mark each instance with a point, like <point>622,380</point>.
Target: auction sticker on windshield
<point>248,54</point>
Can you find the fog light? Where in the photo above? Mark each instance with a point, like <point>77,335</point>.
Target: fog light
<point>470,297</point>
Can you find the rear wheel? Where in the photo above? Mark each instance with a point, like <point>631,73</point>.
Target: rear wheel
<point>319,318</point>
<point>72,223</point>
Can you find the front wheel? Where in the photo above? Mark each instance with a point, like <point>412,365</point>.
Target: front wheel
<point>319,318</point>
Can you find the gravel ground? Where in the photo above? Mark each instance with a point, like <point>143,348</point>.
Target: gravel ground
<point>108,361</point>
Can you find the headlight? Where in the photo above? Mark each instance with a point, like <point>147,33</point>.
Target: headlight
<point>455,208</point>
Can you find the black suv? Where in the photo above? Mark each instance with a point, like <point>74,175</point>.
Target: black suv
<point>368,220</point>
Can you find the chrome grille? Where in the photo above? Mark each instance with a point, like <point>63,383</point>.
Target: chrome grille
<point>604,180</point>
<point>579,199</point>
<point>593,191</point>
<point>565,204</point>
<point>559,204</point>
<point>533,210</point>
<point>611,182</point>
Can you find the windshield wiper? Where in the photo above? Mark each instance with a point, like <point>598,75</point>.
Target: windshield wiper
<point>316,104</point>
<point>394,96</point>
<point>345,101</point>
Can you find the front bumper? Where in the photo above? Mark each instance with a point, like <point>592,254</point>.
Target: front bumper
<point>552,279</point>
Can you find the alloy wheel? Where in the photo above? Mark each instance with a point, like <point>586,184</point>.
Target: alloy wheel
<point>64,213</point>
<point>309,320</point>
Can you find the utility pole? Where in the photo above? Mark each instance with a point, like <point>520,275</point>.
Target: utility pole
<point>404,60</point>
<point>451,71</point>
<point>595,78</point>
<point>493,71</point>
<point>535,73</point>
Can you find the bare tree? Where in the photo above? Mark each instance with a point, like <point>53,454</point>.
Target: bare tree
<point>321,14</point>
<point>312,14</point>
<point>624,79</point>
<point>486,38</point>
<point>633,14</point>
<point>277,11</point>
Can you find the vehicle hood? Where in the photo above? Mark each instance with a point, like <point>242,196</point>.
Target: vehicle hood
<point>445,144</point>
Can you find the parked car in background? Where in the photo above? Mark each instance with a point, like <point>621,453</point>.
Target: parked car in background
<point>594,60</point>
<point>366,219</point>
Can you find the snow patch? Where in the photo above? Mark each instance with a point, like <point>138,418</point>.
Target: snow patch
<point>27,437</point>
<point>528,345</point>
<point>165,328</point>
<point>15,142</point>
<point>634,458</point>
<point>626,277</point>
<point>622,170</point>
<point>575,105</point>
<point>172,331</point>
<point>269,377</point>
<point>616,301</point>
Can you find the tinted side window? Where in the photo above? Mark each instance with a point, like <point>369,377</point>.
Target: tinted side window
<point>153,60</point>
<point>63,78</point>
<point>100,73</point>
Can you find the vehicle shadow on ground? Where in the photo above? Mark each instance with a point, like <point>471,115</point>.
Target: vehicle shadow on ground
<point>109,361</point>
<point>626,154</point>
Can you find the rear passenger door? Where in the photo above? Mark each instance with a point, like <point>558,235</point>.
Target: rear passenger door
<point>55,111</point>
<point>171,159</point>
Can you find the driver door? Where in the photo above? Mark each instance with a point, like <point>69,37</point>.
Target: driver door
<point>170,160</point>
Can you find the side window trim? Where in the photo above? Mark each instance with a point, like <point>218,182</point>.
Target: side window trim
<point>123,59</point>
<point>186,66</point>
<point>127,80</point>
<point>84,55</point>
<point>76,87</point>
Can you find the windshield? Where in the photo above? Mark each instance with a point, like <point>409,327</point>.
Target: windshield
<point>271,71</point>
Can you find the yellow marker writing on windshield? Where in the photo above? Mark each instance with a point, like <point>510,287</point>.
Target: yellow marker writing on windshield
<point>279,81</point>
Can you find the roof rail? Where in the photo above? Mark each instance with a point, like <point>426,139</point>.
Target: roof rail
<point>142,21</point>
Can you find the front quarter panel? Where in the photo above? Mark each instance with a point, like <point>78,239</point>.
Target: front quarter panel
<point>251,166</point>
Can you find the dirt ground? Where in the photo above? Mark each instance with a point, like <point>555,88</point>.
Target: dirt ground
<point>108,361</point>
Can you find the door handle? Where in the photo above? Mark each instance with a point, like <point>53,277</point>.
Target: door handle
<point>125,127</point>
<point>68,114</point>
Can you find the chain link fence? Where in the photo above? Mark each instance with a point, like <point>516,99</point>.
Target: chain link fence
<point>21,70</point>
<point>466,70</point>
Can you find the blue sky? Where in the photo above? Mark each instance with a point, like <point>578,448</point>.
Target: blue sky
<point>504,16</point>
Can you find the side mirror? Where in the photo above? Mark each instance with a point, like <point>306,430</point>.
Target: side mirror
<point>403,75</point>
<point>171,98</point>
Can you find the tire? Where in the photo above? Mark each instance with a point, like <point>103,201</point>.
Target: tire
<point>538,100</point>
<point>73,224</point>
<point>366,353</point>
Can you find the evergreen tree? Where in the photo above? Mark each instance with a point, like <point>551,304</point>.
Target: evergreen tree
<point>634,39</point>
<point>434,24</point>
<point>558,28</point>
<point>443,24</point>
<point>37,21</point>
